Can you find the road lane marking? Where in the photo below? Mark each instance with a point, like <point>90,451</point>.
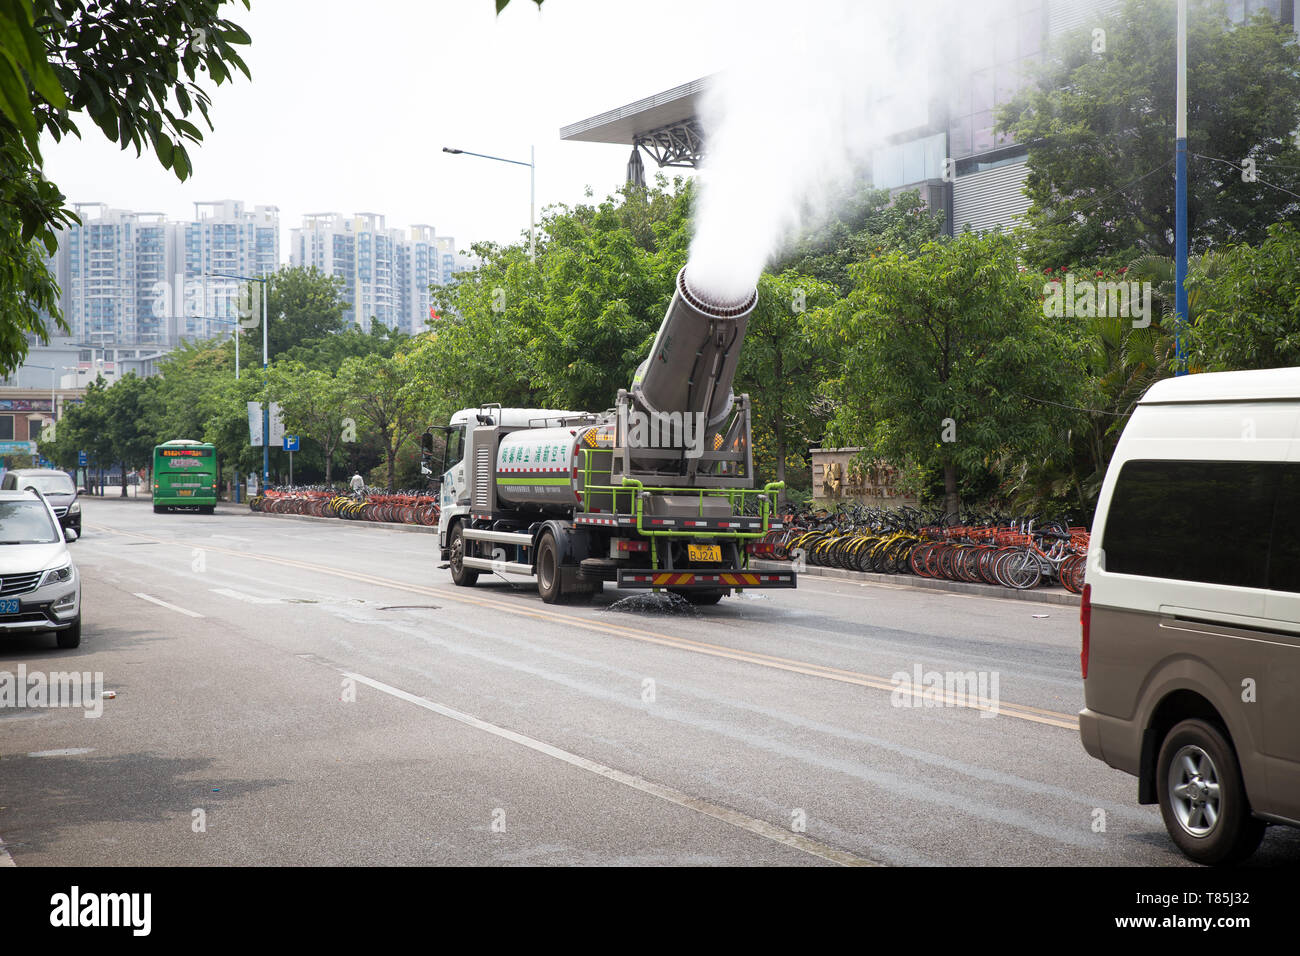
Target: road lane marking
<point>241,596</point>
<point>735,818</point>
<point>1037,715</point>
<point>170,607</point>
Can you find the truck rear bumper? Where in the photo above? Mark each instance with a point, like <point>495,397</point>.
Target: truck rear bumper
<point>706,580</point>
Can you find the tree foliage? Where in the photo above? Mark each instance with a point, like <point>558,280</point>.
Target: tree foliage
<point>946,359</point>
<point>1100,129</point>
<point>139,70</point>
<point>1250,311</point>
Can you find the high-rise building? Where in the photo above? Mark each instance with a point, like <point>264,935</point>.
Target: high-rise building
<point>133,278</point>
<point>386,274</point>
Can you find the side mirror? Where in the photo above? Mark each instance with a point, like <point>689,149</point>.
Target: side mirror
<point>69,535</point>
<point>426,443</point>
<point>425,469</point>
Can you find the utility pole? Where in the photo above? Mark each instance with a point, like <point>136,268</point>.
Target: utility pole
<point>1180,196</point>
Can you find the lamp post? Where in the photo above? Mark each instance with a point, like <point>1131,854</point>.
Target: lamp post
<point>266,406</point>
<point>236,324</point>
<point>532,187</point>
<point>54,405</point>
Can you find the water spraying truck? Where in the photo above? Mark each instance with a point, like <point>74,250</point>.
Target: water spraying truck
<point>656,493</point>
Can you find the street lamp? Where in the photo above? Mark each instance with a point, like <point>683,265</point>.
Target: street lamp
<point>54,404</point>
<point>236,324</point>
<point>266,406</point>
<point>532,187</point>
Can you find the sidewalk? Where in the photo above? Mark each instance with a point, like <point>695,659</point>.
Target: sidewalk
<point>1054,595</point>
<point>337,522</point>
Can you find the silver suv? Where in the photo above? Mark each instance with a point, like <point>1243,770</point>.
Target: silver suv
<point>40,589</point>
<point>56,486</point>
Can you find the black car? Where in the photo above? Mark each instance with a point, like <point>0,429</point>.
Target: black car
<point>57,487</point>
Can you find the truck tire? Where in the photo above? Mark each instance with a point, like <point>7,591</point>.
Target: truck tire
<point>550,582</point>
<point>1202,797</point>
<point>460,575</point>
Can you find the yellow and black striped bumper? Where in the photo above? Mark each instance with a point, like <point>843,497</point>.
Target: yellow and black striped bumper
<point>706,580</point>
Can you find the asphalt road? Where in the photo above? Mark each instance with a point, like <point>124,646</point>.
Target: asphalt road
<point>292,692</point>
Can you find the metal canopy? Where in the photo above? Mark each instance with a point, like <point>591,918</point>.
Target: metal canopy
<point>665,125</point>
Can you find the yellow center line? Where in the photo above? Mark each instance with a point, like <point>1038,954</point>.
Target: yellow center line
<point>825,672</point>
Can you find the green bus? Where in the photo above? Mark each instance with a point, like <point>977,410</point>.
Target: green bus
<point>185,476</point>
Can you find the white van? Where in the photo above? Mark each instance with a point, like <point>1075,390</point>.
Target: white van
<point>1191,609</point>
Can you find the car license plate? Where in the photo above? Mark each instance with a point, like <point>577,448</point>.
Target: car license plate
<point>704,552</point>
<point>10,605</point>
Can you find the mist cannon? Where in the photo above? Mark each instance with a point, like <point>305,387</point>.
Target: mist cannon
<point>693,362</point>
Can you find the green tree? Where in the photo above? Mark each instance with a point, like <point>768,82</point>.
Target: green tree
<point>132,421</point>
<point>312,403</point>
<point>303,306</point>
<point>569,331</point>
<point>330,351</point>
<point>1250,306</point>
<point>1100,129</point>
<point>782,366</point>
<point>866,222</point>
<point>949,361</point>
<point>377,394</point>
<point>134,67</point>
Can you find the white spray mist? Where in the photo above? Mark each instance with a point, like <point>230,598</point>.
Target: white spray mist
<point>814,86</point>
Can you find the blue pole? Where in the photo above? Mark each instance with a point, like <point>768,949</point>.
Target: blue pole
<point>266,406</point>
<point>1180,196</point>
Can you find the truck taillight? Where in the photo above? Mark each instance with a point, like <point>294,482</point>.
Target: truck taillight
<point>1085,627</point>
<point>623,544</point>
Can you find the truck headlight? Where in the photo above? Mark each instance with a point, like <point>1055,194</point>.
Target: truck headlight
<point>59,575</point>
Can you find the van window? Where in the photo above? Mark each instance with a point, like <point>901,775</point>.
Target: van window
<point>1207,521</point>
<point>1284,556</point>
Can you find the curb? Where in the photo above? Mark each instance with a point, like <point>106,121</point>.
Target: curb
<point>344,522</point>
<point>1038,595</point>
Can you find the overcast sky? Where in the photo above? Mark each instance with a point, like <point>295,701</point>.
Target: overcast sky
<point>351,103</point>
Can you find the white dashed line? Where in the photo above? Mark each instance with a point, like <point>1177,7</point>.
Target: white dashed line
<point>734,818</point>
<point>170,607</point>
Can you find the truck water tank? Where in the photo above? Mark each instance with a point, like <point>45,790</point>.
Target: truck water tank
<point>540,467</point>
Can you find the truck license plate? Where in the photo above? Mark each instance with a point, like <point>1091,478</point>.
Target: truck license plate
<point>704,552</point>
<point>184,492</point>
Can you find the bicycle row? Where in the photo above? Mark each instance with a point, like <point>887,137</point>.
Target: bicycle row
<point>1013,552</point>
<point>405,507</point>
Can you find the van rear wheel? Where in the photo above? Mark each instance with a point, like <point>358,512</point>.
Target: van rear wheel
<point>1202,797</point>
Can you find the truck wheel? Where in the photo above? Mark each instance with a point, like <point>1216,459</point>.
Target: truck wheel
<point>1202,797</point>
<point>549,582</point>
<point>460,575</point>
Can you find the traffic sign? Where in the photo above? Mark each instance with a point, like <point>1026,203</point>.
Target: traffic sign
<point>82,460</point>
<point>290,442</point>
